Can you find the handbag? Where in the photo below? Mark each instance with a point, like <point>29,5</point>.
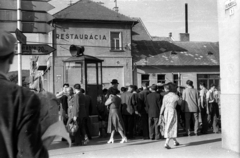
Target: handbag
<point>72,128</point>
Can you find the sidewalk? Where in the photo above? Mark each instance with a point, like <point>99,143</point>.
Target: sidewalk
<point>204,146</point>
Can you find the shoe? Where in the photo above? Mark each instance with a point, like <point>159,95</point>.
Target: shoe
<point>124,140</point>
<point>176,144</point>
<point>167,146</point>
<point>110,141</point>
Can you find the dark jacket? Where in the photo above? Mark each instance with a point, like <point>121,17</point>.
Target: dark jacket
<point>88,105</point>
<point>154,104</point>
<point>127,108</point>
<point>64,101</point>
<point>79,109</point>
<point>20,132</point>
<point>142,102</point>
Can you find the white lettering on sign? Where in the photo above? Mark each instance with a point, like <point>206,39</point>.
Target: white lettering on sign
<point>81,36</point>
<point>229,4</point>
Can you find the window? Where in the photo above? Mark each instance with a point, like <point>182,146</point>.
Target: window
<point>209,79</point>
<point>176,79</point>
<point>145,79</point>
<point>161,79</point>
<point>116,41</point>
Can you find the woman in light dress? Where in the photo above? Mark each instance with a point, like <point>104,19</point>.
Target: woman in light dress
<point>168,111</point>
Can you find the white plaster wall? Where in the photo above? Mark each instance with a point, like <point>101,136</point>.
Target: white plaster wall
<point>229,39</point>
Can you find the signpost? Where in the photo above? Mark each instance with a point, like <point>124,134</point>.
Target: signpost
<point>20,36</point>
<point>26,5</point>
<point>26,16</point>
<point>37,49</point>
<point>27,27</point>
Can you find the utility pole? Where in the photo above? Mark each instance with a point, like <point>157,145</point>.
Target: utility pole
<point>19,51</point>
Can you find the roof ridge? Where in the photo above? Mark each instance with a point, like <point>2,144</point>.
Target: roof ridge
<point>67,7</point>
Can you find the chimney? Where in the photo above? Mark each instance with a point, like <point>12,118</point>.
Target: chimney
<point>116,7</point>
<point>185,36</point>
<point>170,34</point>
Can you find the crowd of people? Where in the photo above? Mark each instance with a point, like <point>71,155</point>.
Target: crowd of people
<point>151,112</point>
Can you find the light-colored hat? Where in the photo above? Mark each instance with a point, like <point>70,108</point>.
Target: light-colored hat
<point>7,43</point>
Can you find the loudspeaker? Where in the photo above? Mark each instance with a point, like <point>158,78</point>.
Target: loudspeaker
<point>76,51</point>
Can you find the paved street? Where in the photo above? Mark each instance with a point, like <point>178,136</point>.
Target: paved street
<point>194,146</point>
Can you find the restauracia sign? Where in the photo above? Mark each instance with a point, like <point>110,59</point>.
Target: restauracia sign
<point>81,36</point>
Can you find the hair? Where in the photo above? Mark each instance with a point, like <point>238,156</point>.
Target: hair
<point>213,85</point>
<point>202,84</point>
<point>144,84</point>
<point>104,90</point>
<point>190,83</point>
<point>6,57</point>
<point>171,87</point>
<point>77,86</point>
<point>70,88</point>
<point>66,84</point>
<point>134,87</point>
<point>123,89</point>
<point>82,90</point>
<point>114,91</point>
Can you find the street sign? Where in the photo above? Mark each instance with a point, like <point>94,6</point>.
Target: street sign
<point>26,5</point>
<point>27,27</point>
<point>20,36</point>
<point>37,49</point>
<point>11,15</point>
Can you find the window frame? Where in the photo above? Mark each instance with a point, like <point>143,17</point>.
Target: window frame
<point>114,48</point>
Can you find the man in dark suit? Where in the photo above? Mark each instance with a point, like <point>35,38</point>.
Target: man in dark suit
<point>143,111</point>
<point>20,131</point>
<point>127,110</point>
<point>64,103</point>
<point>154,106</point>
<point>79,112</point>
<point>88,107</point>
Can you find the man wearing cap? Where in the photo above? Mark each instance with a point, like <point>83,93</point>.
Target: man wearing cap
<point>20,132</point>
<point>142,110</point>
<point>154,106</point>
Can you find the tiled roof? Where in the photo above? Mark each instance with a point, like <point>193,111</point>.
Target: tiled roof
<point>140,32</point>
<point>176,53</point>
<point>89,10</point>
<point>156,38</point>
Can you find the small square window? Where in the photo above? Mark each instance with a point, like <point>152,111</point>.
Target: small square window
<point>161,78</point>
<point>145,79</point>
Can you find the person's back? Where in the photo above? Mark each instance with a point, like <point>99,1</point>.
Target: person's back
<point>20,129</point>
<point>79,109</point>
<point>20,125</point>
<point>154,104</point>
<point>190,98</point>
<point>142,108</point>
<point>127,108</point>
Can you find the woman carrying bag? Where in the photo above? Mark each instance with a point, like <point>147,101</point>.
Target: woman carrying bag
<point>168,115</point>
<point>115,122</point>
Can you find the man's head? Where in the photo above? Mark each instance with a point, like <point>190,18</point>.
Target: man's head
<point>189,83</point>
<point>65,86</point>
<point>153,88</point>
<point>115,83</point>
<point>104,91</point>
<point>77,88</point>
<point>7,48</point>
<point>130,88</point>
<point>70,91</point>
<point>201,85</point>
<point>123,89</point>
<point>82,90</point>
<point>144,85</point>
<point>213,87</point>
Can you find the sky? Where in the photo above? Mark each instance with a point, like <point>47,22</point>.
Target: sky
<point>160,17</point>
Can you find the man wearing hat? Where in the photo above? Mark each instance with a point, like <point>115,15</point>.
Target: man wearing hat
<point>114,86</point>
<point>20,132</point>
<point>154,102</point>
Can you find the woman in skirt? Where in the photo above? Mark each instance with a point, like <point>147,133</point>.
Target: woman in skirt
<point>168,111</point>
<point>115,122</point>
